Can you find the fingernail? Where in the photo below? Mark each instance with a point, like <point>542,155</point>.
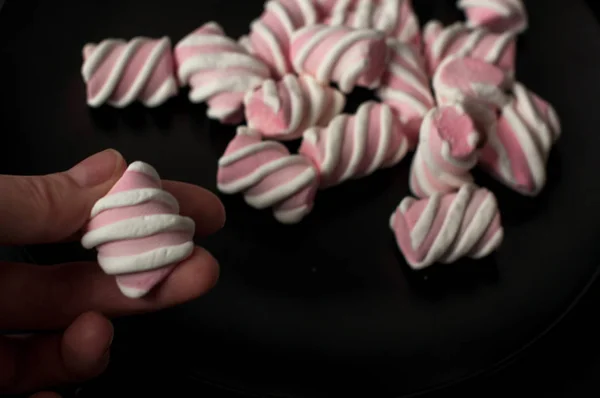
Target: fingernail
<point>96,169</point>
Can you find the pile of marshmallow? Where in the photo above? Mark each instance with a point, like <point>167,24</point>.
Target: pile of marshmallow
<point>288,80</point>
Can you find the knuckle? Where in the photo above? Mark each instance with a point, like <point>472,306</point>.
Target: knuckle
<point>44,195</point>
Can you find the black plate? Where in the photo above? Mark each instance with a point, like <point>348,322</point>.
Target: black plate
<point>330,300</point>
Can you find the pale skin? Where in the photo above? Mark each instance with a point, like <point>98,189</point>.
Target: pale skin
<point>54,208</point>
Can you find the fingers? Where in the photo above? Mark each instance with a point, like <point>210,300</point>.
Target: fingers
<point>201,205</point>
<point>80,353</point>
<point>56,295</point>
<point>50,208</point>
<point>54,207</point>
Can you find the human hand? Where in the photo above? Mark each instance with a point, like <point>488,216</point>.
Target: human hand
<point>78,298</point>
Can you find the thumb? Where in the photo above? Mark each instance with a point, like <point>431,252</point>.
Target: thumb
<point>50,208</point>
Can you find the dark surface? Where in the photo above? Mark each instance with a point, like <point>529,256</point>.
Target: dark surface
<point>298,306</point>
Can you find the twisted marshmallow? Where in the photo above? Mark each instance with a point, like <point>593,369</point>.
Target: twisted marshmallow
<point>219,71</point>
<point>457,39</point>
<point>395,18</point>
<point>271,33</point>
<point>463,80</point>
<point>339,54</point>
<point>476,85</point>
<point>447,227</point>
<point>518,153</point>
<point>405,88</point>
<point>284,109</point>
<point>447,151</point>
<point>138,232</point>
<point>496,15</point>
<point>327,6</point>
<point>268,176</point>
<point>118,72</point>
<point>355,146</point>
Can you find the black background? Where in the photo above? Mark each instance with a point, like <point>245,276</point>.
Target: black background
<point>564,363</point>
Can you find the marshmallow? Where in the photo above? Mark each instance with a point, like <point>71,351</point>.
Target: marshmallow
<point>518,153</point>
<point>458,39</point>
<point>348,57</point>
<point>284,109</point>
<point>462,80</point>
<point>447,227</point>
<point>268,176</point>
<point>138,232</point>
<point>395,18</point>
<point>354,146</point>
<point>479,87</point>
<point>118,72</point>
<point>271,33</point>
<point>447,151</point>
<point>497,16</point>
<point>405,88</point>
<point>219,71</point>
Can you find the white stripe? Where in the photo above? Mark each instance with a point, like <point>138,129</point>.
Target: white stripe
<point>244,183</point>
<point>137,227</point>
<point>283,191</point>
<point>238,155</point>
<point>134,197</point>
<point>144,74</point>
<point>146,261</point>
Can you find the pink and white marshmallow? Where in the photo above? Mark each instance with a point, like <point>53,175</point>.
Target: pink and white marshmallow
<point>518,153</point>
<point>271,33</point>
<point>395,18</point>
<point>268,176</point>
<point>448,149</point>
<point>327,6</point>
<point>354,146</point>
<point>348,57</point>
<point>480,87</point>
<point>465,79</point>
<point>447,227</point>
<point>120,72</point>
<point>405,88</point>
<point>218,70</point>
<point>283,110</point>
<point>497,16</point>
<point>138,232</point>
<point>458,39</point>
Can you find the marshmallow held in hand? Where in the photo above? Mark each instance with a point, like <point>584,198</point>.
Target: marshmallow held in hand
<point>139,235</point>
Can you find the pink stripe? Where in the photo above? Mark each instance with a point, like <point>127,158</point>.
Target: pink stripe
<point>187,52</point>
<point>145,280</point>
<point>133,180</point>
<point>262,117</point>
<point>123,213</point>
<point>132,247</point>
<point>102,73</point>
